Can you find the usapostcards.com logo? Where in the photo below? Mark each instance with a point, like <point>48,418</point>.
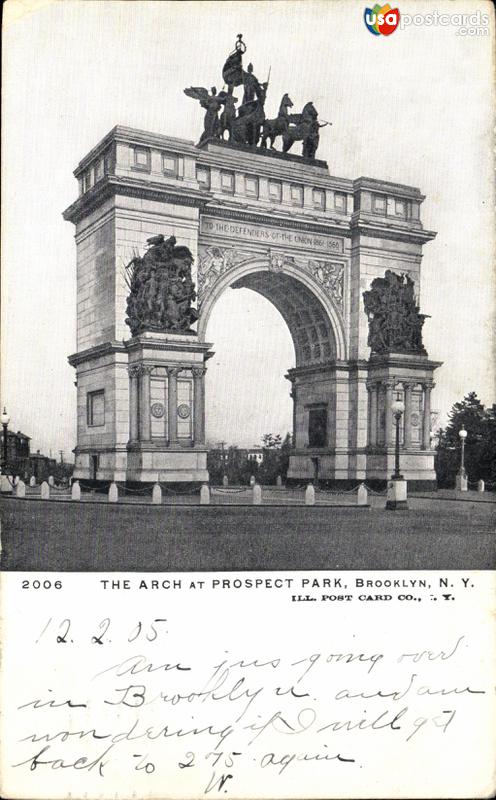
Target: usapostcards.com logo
<point>381,19</point>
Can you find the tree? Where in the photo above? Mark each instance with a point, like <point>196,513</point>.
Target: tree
<point>239,467</point>
<point>215,466</point>
<point>480,444</point>
<point>286,448</point>
<point>63,472</point>
<point>276,457</point>
<point>271,442</point>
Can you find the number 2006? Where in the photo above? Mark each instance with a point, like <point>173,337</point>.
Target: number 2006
<point>36,584</point>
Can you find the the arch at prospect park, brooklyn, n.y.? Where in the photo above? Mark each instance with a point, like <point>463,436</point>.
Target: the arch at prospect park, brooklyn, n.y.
<point>164,226</point>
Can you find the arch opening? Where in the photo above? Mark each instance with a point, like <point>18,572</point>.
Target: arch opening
<point>307,321</point>
<point>246,393</point>
<point>315,325</point>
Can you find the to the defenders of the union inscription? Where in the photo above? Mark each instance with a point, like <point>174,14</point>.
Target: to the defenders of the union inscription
<point>268,235</point>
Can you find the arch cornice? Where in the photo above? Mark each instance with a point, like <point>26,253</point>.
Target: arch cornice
<point>259,264</point>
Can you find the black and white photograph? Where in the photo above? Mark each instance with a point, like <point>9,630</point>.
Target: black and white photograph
<point>248,396</point>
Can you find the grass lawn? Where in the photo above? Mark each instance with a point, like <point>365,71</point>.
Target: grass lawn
<point>432,534</point>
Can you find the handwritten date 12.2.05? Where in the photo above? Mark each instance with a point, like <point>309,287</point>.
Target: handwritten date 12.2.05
<point>62,631</point>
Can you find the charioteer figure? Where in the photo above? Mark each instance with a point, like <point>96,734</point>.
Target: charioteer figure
<point>252,86</point>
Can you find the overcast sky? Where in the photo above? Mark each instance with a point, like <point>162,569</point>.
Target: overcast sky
<point>414,107</point>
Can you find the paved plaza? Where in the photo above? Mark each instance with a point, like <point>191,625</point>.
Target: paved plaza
<point>446,530</point>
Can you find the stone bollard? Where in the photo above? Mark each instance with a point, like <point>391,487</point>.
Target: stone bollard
<point>5,484</point>
<point>51,481</point>
<point>205,495</point>
<point>225,481</point>
<point>76,491</point>
<point>157,495</point>
<point>252,481</point>
<point>362,495</point>
<point>257,494</point>
<point>45,491</point>
<point>21,488</point>
<point>32,481</point>
<point>481,486</point>
<point>310,495</point>
<point>113,493</point>
<point>279,481</point>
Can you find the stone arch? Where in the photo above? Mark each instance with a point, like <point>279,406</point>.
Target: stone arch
<point>314,322</point>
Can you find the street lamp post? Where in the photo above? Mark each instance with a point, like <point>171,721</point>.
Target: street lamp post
<point>396,490</point>
<point>461,478</point>
<point>5,419</point>
<point>397,408</point>
<point>5,486</point>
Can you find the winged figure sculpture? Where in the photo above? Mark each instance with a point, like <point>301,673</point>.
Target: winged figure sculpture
<point>211,102</point>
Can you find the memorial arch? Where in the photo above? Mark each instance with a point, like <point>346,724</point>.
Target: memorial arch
<point>162,223</point>
<point>278,224</point>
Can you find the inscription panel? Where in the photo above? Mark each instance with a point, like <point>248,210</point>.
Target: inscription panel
<point>265,234</point>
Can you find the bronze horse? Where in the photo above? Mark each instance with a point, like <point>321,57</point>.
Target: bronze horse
<point>304,128</point>
<point>279,126</point>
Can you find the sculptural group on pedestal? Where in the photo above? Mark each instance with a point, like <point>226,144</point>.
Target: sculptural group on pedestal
<point>247,124</point>
<point>395,322</point>
<point>161,289</point>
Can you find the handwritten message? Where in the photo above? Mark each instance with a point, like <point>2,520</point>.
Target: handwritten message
<point>240,693</point>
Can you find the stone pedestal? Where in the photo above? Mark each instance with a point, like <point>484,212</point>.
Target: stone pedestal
<point>141,415</point>
<point>322,423</point>
<point>396,494</point>
<point>409,377</point>
<point>461,482</point>
<point>166,409</point>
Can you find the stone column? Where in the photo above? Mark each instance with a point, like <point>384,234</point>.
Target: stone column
<point>374,397</point>
<point>134,372</point>
<point>203,412</point>
<point>292,395</point>
<point>389,414</point>
<point>426,427</point>
<point>408,415</point>
<point>369,404</point>
<point>172,373</point>
<point>198,405</point>
<point>144,415</point>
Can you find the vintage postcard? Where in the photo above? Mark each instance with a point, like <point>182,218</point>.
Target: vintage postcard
<point>248,406</point>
